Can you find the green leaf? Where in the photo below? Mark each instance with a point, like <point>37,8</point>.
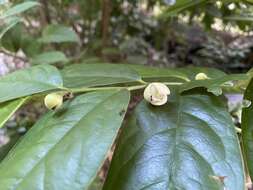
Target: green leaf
<point>154,72</point>
<point>182,5</point>
<point>169,2</point>
<point>10,23</point>
<point>191,72</point>
<point>29,81</point>
<point>246,18</point>
<point>49,58</point>
<point>189,143</point>
<point>247,128</point>
<point>58,34</point>
<point>66,149</point>
<point>19,8</point>
<point>184,74</point>
<point>12,39</point>
<point>88,75</point>
<point>213,84</point>
<point>7,109</point>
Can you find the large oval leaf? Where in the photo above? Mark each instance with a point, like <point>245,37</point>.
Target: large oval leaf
<point>7,109</point>
<point>65,150</point>
<point>88,75</point>
<point>189,143</point>
<point>29,81</point>
<point>247,128</point>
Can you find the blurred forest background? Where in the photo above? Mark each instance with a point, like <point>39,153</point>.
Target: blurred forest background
<point>162,33</point>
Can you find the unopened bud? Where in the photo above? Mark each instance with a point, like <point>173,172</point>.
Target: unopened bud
<point>156,93</point>
<point>201,76</point>
<point>53,101</point>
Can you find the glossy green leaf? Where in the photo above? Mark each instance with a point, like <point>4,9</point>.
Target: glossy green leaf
<point>213,84</point>
<point>58,34</point>
<point>7,109</point>
<point>66,149</point>
<point>29,81</point>
<point>19,8</point>
<point>247,128</point>
<point>88,75</point>
<point>189,143</point>
<point>49,58</point>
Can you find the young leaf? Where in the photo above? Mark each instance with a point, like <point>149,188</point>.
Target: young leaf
<point>58,34</point>
<point>215,83</point>
<point>19,8</point>
<point>88,75</point>
<point>7,109</point>
<point>49,58</point>
<point>66,149</point>
<point>247,128</point>
<point>29,81</point>
<point>189,143</point>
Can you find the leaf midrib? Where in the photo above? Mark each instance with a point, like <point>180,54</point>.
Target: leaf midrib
<point>176,142</point>
<point>63,137</point>
<point>101,76</point>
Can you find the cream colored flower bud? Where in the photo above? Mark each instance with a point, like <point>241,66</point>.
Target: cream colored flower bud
<point>53,101</point>
<point>156,93</point>
<point>201,76</point>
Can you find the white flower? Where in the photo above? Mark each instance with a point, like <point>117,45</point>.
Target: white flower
<point>156,93</point>
<point>201,76</point>
<point>53,101</point>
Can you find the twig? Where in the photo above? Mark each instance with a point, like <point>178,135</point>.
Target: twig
<point>106,6</point>
<point>45,12</point>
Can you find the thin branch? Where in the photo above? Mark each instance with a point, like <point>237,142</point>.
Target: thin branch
<point>45,12</point>
<point>106,12</point>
